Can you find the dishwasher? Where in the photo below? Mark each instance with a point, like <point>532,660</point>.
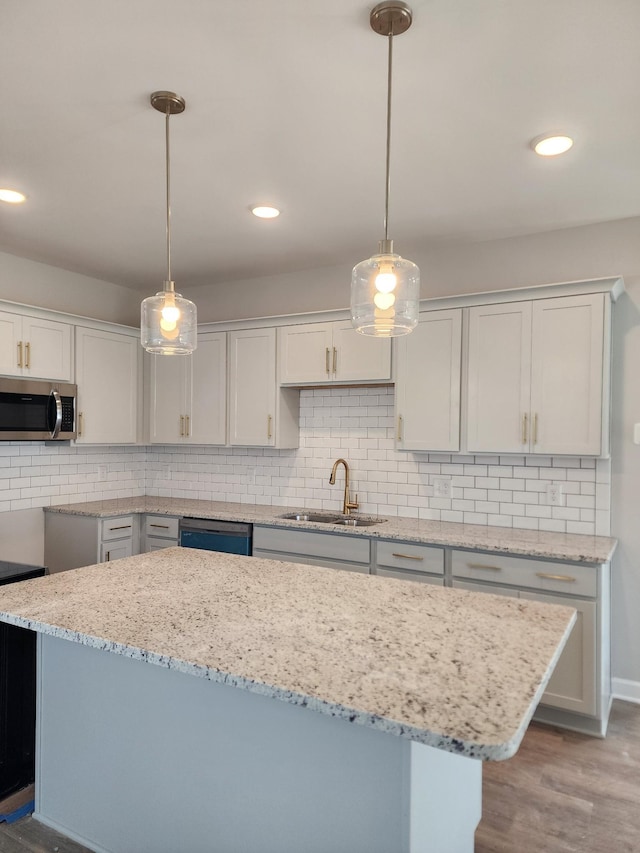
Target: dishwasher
<point>231,537</point>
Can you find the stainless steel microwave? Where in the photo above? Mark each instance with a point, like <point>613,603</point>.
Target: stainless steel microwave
<point>32,410</point>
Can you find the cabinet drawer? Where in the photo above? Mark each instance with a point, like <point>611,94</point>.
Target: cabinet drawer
<point>116,528</point>
<point>400,574</point>
<point>525,572</point>
<point>353,549</point>
<point>410,557</point>
<point>162,526</point>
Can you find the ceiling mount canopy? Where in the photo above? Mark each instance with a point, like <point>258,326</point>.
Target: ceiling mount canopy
<point>385,289</point>
<point>168,321</point>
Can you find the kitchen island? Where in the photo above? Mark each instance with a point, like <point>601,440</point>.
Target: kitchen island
<point>391,695</point>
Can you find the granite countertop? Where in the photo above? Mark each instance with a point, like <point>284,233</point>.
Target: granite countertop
<point>456,670</point>
<point>571,547</point>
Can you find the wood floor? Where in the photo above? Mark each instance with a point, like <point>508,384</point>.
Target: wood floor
<point>562,793</point>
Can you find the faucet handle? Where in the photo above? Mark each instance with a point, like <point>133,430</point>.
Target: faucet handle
<point>353,504</point>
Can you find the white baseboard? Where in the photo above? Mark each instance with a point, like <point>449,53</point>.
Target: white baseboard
<point>623,688</point>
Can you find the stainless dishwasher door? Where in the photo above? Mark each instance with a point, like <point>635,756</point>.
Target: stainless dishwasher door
<point>230,537</point>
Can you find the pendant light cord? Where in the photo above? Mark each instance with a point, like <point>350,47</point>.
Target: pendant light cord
<point>168,284</point>
<point>388,181</point>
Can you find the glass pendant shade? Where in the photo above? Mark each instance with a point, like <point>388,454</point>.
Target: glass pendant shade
<point>385,293</point>
<point>168,324</point>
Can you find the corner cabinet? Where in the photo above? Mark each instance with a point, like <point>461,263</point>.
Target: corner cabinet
<point>260,413</point>
<point>72,541</point>
<point>188,394</point>
<point>428,364</point>
<point>328,353</point>
<point>35,347</point>
<point>108,368</point>
<point>538,376</point>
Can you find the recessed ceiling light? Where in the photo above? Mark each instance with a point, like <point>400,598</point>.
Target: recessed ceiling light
<point>549,146</point>
<point>265,212</point>
<point>12,196</point>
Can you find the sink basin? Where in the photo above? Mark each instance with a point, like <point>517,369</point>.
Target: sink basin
<point>342,520</point>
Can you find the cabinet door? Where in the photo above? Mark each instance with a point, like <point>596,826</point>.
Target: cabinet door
<point>115,550</point>
<point>107,378</point>
<point>428,383</point>
<point>359,358</point>
<point>499,378</point>
<point>208,411</point>
<point>170,379</point>
<point>11,344</point>
<point>399,574</point>
<point>252,393</point>
<point>47,349</point>
<point>573,684</point>
<point>305,353</point>
<point>566,375</point>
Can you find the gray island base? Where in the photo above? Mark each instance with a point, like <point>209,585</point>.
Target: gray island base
<point>390,694</point>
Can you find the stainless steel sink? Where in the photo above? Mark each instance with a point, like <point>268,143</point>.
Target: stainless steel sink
<point>341,520</point>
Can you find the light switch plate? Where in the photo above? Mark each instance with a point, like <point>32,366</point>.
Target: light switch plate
<point>636,433</point>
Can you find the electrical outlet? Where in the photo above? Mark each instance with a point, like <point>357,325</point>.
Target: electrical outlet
<point>102,473</point>
<point>555,494</point>
<point>441,487</point>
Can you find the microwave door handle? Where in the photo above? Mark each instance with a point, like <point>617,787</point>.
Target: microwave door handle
<point>55,404</point>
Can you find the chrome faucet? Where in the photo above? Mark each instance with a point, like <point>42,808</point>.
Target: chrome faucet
<point>347,504</point>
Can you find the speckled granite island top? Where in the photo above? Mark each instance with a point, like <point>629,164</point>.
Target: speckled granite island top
<point>456,670</point>
<point>573,547</point>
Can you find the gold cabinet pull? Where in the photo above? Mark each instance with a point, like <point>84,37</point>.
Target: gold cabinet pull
<point>269,426</point>
<point>121,527</point>
<point>484,566</point>
<point>182,425</point>
<point>550,577</point>
<point>187,430</point>
<point>80,423</point>
<point>525,428</point>
<point>407,556</point>
<point>27,355</point>
<point>326,361</point>
<point>335,361</point>
<point>399,427</point>
<point>20,354</point>
<point>163,526</point>
<point>535,428</point>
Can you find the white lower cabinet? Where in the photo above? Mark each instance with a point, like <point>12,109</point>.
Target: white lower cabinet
<point>408,561</point>
<point>330,550</point>
<point>71,541</point>
<point>579,692</point>
<point>158,532</point>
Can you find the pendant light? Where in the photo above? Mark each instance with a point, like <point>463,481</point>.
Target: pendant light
<point>168,320</point>
<point>385,289</point>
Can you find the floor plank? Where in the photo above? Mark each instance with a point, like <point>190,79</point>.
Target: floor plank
<point>561,793</point>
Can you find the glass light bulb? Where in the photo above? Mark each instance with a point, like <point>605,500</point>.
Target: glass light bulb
<point>383,300</point>
<point>170,313</point>
<point>386,281</point>
<point>167,325</point>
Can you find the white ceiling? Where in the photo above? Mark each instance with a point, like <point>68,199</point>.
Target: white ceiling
<point>286,104</point>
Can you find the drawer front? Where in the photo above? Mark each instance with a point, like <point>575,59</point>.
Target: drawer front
<point>410,557</point>
<point>354,549</point>
<point>525,572</point>
<point>161,525</point>
<point>437,580</point>
<point>117,528</point>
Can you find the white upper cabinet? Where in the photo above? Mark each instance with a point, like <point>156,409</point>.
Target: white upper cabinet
<point>260,413</point>
<point>35,347</point>
<point>108,375</point>
<point>320,353</point>
<point>428,383</point>
<point>535,376</point>
<point>188,394</point>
